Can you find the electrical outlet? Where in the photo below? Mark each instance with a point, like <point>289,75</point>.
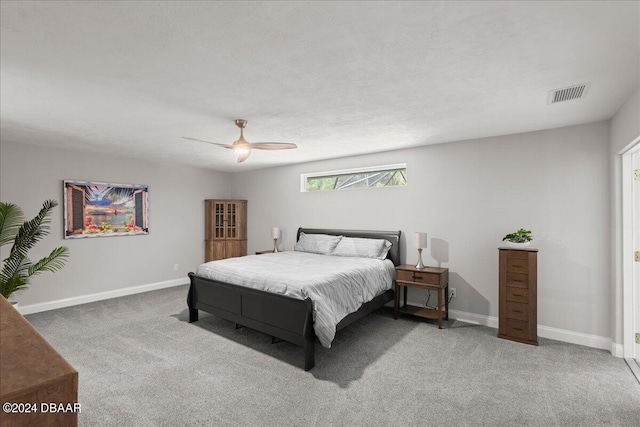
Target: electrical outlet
<point>175,267</point>
<point>637,338</point>
<point>452,292</point>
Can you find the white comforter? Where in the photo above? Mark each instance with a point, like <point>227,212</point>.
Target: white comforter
<point>337,286</point>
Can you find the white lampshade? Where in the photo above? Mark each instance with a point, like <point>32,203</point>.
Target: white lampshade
<point>276,233</point>
<point>420,241</point>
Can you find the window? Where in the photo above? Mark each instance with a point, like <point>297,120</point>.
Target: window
<point>377,176</point>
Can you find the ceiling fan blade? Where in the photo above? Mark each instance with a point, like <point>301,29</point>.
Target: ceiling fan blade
<point>272,145</point>
<point>208,142</point>
<point>243,156</point>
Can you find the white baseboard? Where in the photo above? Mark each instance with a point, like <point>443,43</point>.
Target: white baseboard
<point>572,337</point>
<point>68,302</point>
<point>564,335</point>
<point>617,350</point>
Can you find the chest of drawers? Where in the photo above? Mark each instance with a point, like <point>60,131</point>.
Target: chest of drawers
<point>518,317</point>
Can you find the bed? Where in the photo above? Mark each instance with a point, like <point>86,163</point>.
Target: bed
<point>285,315</point>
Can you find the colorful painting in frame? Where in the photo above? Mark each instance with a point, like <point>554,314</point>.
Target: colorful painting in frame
<point>99,209</point>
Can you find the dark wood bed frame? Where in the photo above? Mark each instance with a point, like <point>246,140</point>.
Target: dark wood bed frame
<point>280,316</point>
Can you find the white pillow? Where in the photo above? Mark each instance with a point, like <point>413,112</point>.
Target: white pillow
<point>385,249</point>
<point>317,243</point>
<point>362,248</point>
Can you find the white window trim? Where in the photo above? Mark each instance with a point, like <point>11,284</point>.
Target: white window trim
<point>305,176</point>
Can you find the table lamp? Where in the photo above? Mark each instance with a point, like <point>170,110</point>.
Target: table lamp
<point>276,233</point>
<point>420,243</point>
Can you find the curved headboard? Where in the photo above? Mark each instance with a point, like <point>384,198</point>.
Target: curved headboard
<point>391,236</point>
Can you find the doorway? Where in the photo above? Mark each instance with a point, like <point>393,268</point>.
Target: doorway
<point>631,255</point>
<point>635,281</point>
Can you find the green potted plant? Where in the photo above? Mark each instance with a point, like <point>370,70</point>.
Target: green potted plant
<point>17,268</point>
<point>520,239</point>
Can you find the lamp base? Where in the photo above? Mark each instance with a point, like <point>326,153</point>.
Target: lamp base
<point>275,245</point>
<point>420,265</point>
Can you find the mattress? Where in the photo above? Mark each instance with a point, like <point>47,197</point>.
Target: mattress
<point>337,286</point>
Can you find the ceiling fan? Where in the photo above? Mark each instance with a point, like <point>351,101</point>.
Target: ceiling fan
<point>243,148</point>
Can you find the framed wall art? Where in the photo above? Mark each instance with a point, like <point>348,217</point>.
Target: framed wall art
<point>99,209</point>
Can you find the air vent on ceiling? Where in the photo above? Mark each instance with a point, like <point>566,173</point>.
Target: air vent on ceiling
<point>568,93</point>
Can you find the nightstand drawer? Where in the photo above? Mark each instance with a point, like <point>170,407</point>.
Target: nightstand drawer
<point>518,280</point>
<point>518,329</point>
<point>419,277</point>
<point>517,310</point>
<point>431,278</point>
<point>517,294</point>
<point>404,275</point>
<point>516,265</point>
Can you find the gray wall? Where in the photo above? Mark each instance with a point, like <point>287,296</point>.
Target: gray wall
<point>625,124</point>
<point>30,174</point>
<point>467,195</point>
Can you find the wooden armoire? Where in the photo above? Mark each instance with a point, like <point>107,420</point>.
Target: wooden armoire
<point>225,229</point>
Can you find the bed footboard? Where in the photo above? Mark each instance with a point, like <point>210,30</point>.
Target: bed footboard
<point>283,317</point>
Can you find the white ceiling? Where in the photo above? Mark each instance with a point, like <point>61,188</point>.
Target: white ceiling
<point>336,78</point>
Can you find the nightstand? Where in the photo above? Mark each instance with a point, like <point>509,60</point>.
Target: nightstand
<point>431,278</point>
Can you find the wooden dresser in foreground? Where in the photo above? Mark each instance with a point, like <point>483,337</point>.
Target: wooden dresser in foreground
<point>37,386</point>
<point>518,320</point>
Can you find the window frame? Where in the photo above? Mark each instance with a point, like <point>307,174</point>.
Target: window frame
<point>351,171</point>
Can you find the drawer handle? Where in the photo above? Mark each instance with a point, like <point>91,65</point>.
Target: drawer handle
<point>419,278</point>
<point>517,311</point>
<point>517,295</point>
<point>517,329</point>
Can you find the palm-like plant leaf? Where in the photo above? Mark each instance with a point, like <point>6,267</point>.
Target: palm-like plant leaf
<point>17,268</point>
<point>11,218</point>
<point>33,230</point>
<point>53,262</point>
<point>14,265</point>
<point>11,285</point>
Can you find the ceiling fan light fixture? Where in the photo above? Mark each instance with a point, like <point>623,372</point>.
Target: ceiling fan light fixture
<point>243,148</point>
<point>243,153</point>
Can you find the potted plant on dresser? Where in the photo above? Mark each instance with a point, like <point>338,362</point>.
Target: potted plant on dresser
<point>518,240</point>
<point>17,268</point>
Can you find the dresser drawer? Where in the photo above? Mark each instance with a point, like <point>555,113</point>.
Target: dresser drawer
<point>517,329</point>
<point>517,265</point>
<point>404,275</point>
<point>516,254</point>
<point>518,280</point>
<point>517,294</point>
<point>517,310</point>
